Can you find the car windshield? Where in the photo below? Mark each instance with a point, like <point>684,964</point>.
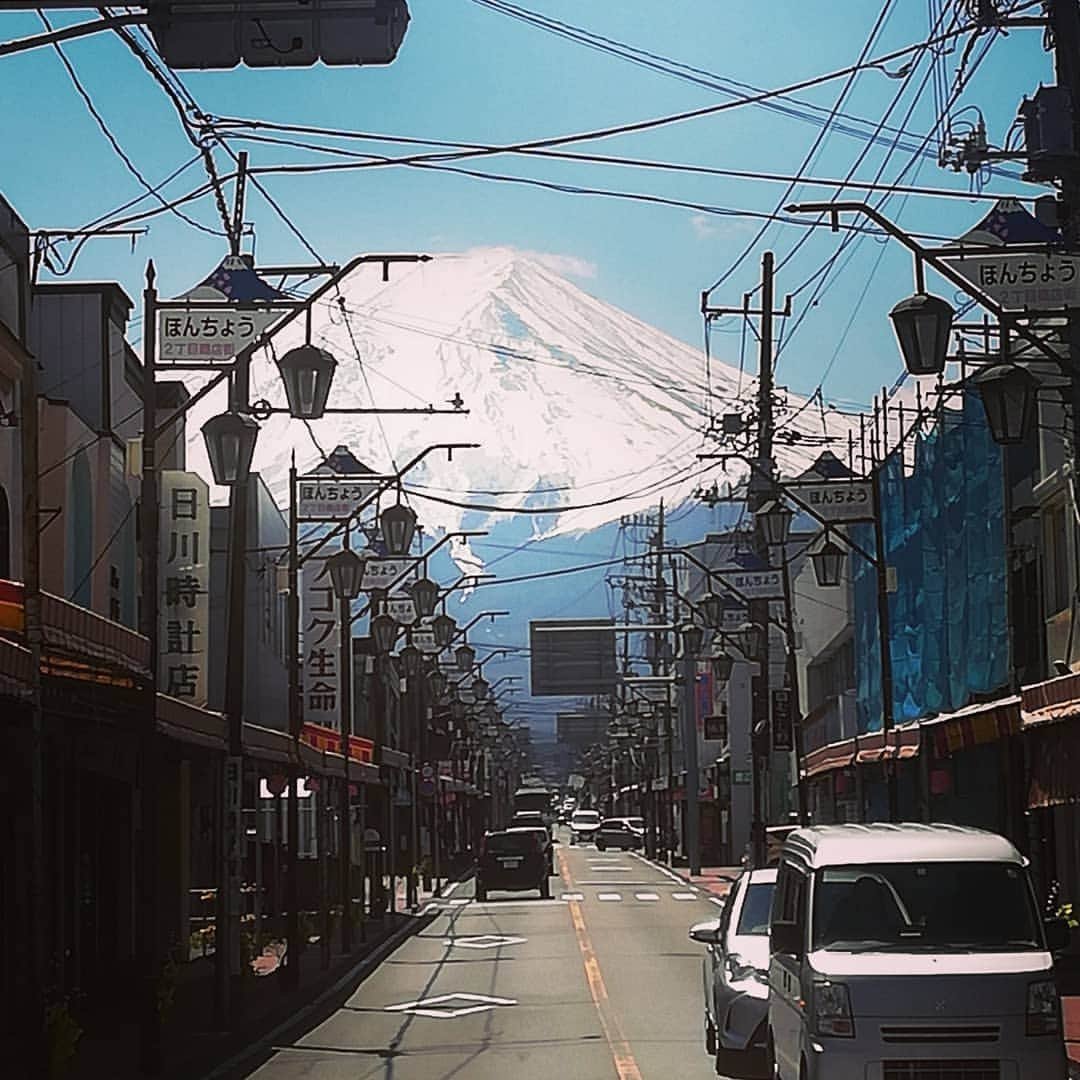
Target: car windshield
<point>636,822</point>
<point>614,824</point>
<point>754,917</point>
<point>586,817</point>
<point>512,842</point>
<point>921,907</point>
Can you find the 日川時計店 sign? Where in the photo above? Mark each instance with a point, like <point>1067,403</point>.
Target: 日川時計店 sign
<point>1023,280</point>
<point>329,497</point>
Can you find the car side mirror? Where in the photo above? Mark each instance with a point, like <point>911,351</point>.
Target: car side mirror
<point>1058,934</point>
<point>707,933</point>
<point>786,937</point>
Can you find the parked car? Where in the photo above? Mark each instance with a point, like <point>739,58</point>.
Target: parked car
<point>583,826</point>
<point>514,861</point>
<point>544,837</point>
<point>736,977</point>
<point>916,944</point>
<point>618,832</point>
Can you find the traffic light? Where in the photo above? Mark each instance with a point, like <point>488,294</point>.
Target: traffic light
<point>216,34</point>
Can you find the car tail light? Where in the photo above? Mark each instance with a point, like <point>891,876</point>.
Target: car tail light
<point>1043,1008</point>
<point>832,1010</point>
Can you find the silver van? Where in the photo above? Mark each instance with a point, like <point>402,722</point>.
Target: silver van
<point>910,952</point>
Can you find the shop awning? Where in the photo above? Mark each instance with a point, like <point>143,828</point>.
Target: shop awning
<point>191,724</point>
<point>1050,701</point>
<point>974,725</point>
<point>826,758</point>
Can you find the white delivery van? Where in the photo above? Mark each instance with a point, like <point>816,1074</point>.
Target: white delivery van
<point>910,952</point>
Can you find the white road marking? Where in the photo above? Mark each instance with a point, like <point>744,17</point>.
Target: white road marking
<point>646,896</point>
<point>597,869</point>
<point>609,896</point>
<point>716,900</point>
<point>683,896</point>
<point>573,896</point>
<point>484,941</point>
<point>460,901</point>
<point>440,1008</point>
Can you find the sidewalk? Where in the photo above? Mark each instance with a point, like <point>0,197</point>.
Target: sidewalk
<point>192,1047</point>
<point>712,879</point>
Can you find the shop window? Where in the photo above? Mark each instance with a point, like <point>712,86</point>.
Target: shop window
<point>1056,557</point>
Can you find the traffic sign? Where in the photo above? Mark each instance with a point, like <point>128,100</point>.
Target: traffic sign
<point>835,500</point>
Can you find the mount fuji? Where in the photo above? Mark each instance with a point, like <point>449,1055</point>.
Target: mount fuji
<point>581,411</point>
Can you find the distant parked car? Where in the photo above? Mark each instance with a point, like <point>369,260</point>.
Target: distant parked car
<point>583,826</point>
<point>736,977</point>
<point>514,861</point>
<point>618,832</point>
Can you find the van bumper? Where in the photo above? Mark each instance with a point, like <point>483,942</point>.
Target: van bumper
<point>830,1059</point>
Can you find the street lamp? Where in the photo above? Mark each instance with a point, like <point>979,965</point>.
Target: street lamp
<point>411,659</point>
<point>230,445</point>
<point>923,324</point>
<point>346,573</point>
<point>465,656</point>
<point>480,688</point>
<point>443,627</point>
<point>437,683</point>
<point>712,609</point>
<point>384,631</point>
<point>828,563</point>
<point>398,524</point>
<point>721,667</point>
<point>692,638</point>
<point>458,709</point>
<point>752,637</point>
<point>775,520</point>
<point>425,594</point>
<point>1008,396</point>
<point>307,373</point>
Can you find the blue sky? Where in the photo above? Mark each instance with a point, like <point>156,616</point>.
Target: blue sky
<point>466,72</point>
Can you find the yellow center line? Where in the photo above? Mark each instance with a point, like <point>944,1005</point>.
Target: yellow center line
<point>625,1065</point>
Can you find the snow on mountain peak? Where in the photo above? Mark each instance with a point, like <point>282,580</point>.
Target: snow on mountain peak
<point>573,401</point>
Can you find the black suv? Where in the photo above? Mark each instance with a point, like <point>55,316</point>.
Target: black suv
<point>514,861</point>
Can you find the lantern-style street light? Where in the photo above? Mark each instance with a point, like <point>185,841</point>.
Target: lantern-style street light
<point>712,609</point>
<point>1008,396</point>
<point>480,688</point>
<point>398,525</point>
<point>828,562</point>
<point>752,637</point>
<point>722,664</point>
<point>437,683</point>
<point>465,657</point>
<point>443,627</point>
<point>775,520</point>
<point>230,445</point>
<point>923,325</point>
<point>411,659</point>
<point>425,594</point>
<point>346,573</point>
<point>384,631</point>
<point>307,373</point>
<point>692,638</point>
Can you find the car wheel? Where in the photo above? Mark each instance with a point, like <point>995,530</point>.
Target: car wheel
<point>710,1037</point>
<point>545,889</point>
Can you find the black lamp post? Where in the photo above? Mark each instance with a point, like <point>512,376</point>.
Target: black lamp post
<point>775,520</point>
<point>480,688</point>
<point>721,667</point>
<point>384,631</point>
<point>828,563</point>
<point>465,656</point>
<point>692,638</point>
<point>397,524</point>
<point>411,659</point>
<point>425,594</point>
<point>923,324</point>
<point>307,373</point>
<point>443,627</point>
<point>346,573</point>
<point>753,639</point>
<point>437,683</point>
<point>1008,396</point>
<point>230,445</point>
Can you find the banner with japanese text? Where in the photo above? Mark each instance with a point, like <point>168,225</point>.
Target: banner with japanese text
<point>184,585</point>
<point>320,637</point>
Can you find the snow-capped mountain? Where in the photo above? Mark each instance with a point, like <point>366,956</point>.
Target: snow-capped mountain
<point>574,403</point>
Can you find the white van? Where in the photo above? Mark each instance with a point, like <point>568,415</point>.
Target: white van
<point>910,952</point>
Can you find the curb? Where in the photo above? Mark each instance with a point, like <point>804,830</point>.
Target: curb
<point>417,920</point>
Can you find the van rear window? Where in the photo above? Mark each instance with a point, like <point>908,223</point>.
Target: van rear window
<point>511,842</point>
<point>924,907</point>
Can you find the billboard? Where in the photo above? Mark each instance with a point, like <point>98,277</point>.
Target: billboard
<point>572,657</point>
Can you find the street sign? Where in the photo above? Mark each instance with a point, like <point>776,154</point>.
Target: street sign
<point>765,584</point>
<point>402,608</point>
<point>781,720</point>
<point>382,573</point>
<point>1023,280</point>
<point>836,500</point>
<point>424,639</point>
<point>207,335</point>
<point>322,497</point>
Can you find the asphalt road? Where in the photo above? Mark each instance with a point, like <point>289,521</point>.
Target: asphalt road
<point>599,982</point>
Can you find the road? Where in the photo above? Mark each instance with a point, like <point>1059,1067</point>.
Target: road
<point>598,983</point>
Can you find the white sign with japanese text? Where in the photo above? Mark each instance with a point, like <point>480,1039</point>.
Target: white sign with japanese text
<point>423,637</point>
<point>184,585</point>
<point>382,573</point>
<point>329,497</point>
<point>1018,281</point>
<point>837,500</point>
<point>208,335</point>
<point>403,609</point>
<point>754,584</point>
<point>320,637</point>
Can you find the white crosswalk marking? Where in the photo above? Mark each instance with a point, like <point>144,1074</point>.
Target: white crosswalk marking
<point>646,896</point>
<point>609,896</point>
<point>683,896</point>
<point>573,896</point>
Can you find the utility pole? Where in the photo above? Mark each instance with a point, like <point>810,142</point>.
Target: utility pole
<point>758,493</point>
